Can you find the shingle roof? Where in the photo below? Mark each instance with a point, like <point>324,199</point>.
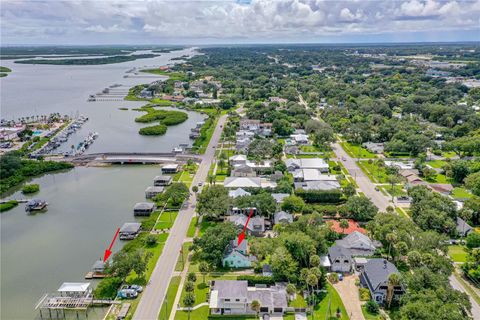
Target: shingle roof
<point>130,227</point>
<point>242,182</point>
<point>144,206</point>
<point>356,240</point>
<point>231,288</point>
<point>463,227</point>
<point>279,196</point>
<point>317,185</point>
<point>238,193</point>
<point>377,271</point>
<point>282,215</point>
<point>337,252</point>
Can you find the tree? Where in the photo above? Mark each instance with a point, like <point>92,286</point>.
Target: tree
<point>124,262</point>
<point>189,301</point>
<point>291,289</point>
<point>189,286</point>
<point>211,246</point>
<point>176,193</point>
<point>414,259</point>
<point>372,307</point>
<point>282,127</point>
<point>213,202</point>
<point>472,182</point>
<point>195,189</point>
<point>344,225</point>
<point>360,208</point>
<point>255,305</point>
<point>203,267</point>
<point>473,240</point>
<point>212,179</point>
<point>283,265</point>
<point>264,202</point>
<point>315,261</point>
<point>392,239</point>
<point>393,281</point>
<point>429,174</point>
<point>293,204</point>
<point>349,190</point>
<point>459,170</point>
<point>150,240</point>
<point>192,277</point>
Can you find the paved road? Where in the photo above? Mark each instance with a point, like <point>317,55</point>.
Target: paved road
<point>152,298</point>
<point>348,292</point>
<point>364,183</point>
<point>457,285</point>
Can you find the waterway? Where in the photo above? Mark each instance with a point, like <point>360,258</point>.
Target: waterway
<point>86,205</point>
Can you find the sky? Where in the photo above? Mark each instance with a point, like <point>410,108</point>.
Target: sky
<point>77,22</point>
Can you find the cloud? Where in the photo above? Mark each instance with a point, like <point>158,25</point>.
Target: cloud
<point>123,21</point>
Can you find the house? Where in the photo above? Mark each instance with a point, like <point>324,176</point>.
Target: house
<point>375,277</point>
<point>250,125</point>
<point>160,181</point>
<point>234,297</point>
<point>299,139</point>
<point>374,147</point>
<point>358,244</point>
<point>241,145</point>
<point>307,163</point>
<point>352,227</point>
<point>291,149</point>
<point>278,100</point>
<point>143,209</point>
<point>267,271</point>
<point>282,217</point>
<point>243,170</point>
<point>300,175</point>
<point>238,159</point>
<point>129,230</point>
<point>242,182</point>
<point>245,211</point>
<point>279,197</point>
<point>238,193</point>
<point>407,165</point>
<point>236,256</point>
<point>443,188</point>
<point>256,224</point>
<point>341,259</point>
<point>153,191</point>
<point>317,185</point>
<point>243,134</point>
<point>462,227</point>
<point>170,168</point>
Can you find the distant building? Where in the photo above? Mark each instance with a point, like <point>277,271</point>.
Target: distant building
<point>374,147</point>
<point>358,244</point>
<point>352,227</point>
<point>279,197</point>
<point>307,163</point>
<point>462,227</point>
<point>282,217</point>
<point>267,271</point>
<point>317,185</point>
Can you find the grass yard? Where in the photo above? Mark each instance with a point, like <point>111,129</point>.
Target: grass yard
<point>461,193</point>
<point>186,177</point>
<point>201,288</point>
<point>192,227</point>
<point>169,299</point>
<point>402,212</point>
<point>373,172</point>
<point>166,220</point>
<point>299,302</point>
<point>182,259</point>
<point>368,315</point>
<point>396,191</point>
<point>333,299</point>
<point>357,151</point>
<point>441,178</point>
<point>449,155</point>
<point>198,314</point>
<point>457,253</point>
<point>204,225</point>
<point>437,163</point>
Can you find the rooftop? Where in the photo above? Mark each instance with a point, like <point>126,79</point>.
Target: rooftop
<point>352,227</point>
<point>74,287</point>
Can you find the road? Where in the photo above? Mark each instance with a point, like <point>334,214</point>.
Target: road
<point>348,292</point>
<point>364,183</point>
<point>152,298</point>
<point>457,285</point>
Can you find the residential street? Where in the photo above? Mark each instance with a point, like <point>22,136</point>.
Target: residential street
<point>154,293</point>
<point>364,183</point>
<point>348,291</point>
<point>457,285</point>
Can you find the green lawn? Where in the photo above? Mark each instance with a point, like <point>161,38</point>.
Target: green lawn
<point>373,172</point>
<point>169,299</point>
<point>437,163</point>
<point>333,299</point>
<point>457,253</point>
<point>186,177</point>
<point>182,259</point>
<point>201,288</point>
<point>299,302</point>
<point>461,193</point>
<point>204,225</point>
<point>441,178</point>
<point>449,155</point>
<point>192,227</point>
<point>402,212</point>
<point>166,220</point>
<point>368,315</point>
<point>198,314</point>
<point>357,151</point>
<point>396,191</point>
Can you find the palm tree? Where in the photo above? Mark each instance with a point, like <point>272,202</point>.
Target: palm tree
<point>392,239</point>
<point>312,281</point>
<point>393,281</point>
<point>343,224</point>
<point>256,306</point>
<point>203,267</point>
<point>189,301</point>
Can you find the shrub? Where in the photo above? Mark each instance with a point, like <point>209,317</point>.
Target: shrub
<point>150,240</point>
<point>192,277</point>
<point>253,280</point>
<point>30,188</point>
<point>372,307</point>
<point>158,130</point>
<point>8,205</point>
<point>473,240</point>
<point>333,277</point>
<point>189,286</point>
<point>107,288</point>
<point>364,294</point>
<point>315,196</point>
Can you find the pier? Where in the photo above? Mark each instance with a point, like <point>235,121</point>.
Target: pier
<point>133,158</point>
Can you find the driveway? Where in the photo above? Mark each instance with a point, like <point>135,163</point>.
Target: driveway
<point>348,291</point>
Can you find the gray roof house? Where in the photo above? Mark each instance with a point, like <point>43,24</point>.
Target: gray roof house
<point>375,277</point>
<point>340,259</point>
<point>256,224</point>
<point>282,217</point>
<point>129,230</point>
<point>463,228</point>
<point>317,185</point>
<point>242,170</point>
<point>235,297</point>
<point>143,208</point>
<point>358,244</point>
<point>279,197</point>
<point>238,193</point>
<point>307,163</point>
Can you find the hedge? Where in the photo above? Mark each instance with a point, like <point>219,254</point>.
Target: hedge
<point>253,280</point>
<point>320,196</point>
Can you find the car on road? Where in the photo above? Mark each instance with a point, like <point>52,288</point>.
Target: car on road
<point>200,184</point>
<point>344,159</point>
<point>376,189</point>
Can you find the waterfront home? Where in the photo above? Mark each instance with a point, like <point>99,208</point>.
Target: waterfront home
<point>375,277</point>
<point>170,168</point>
<point>341,259</point>
<point>462,227</point>
<point>129,230</point>
<point>153,191</point>
<point>234,297</point>
<point>358,244</point>
<point>238,193</point>
<point>160,181</point>
<point>307,163</point>
<point>282,217</point>
<point>143,208</point>
<point>317,185</point>
<point>255,227</point>
<point>352,227</point>
<point>236,256</point>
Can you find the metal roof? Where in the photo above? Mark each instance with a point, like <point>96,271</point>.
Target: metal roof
<point>74,287</point>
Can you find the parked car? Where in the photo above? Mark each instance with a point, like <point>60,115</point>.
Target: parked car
<point>127,294</point>
<point>135,287</point>
<point>340,277</point>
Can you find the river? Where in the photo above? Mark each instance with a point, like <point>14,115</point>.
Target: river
<point>86,205</point>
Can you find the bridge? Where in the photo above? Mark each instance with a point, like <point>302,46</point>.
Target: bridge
<point>134,157</point>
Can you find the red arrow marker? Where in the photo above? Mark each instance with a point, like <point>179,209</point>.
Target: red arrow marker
<point>241,236</point>
<point>108,252</point>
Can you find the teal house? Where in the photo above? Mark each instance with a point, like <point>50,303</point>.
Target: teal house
<point>236,256</point>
